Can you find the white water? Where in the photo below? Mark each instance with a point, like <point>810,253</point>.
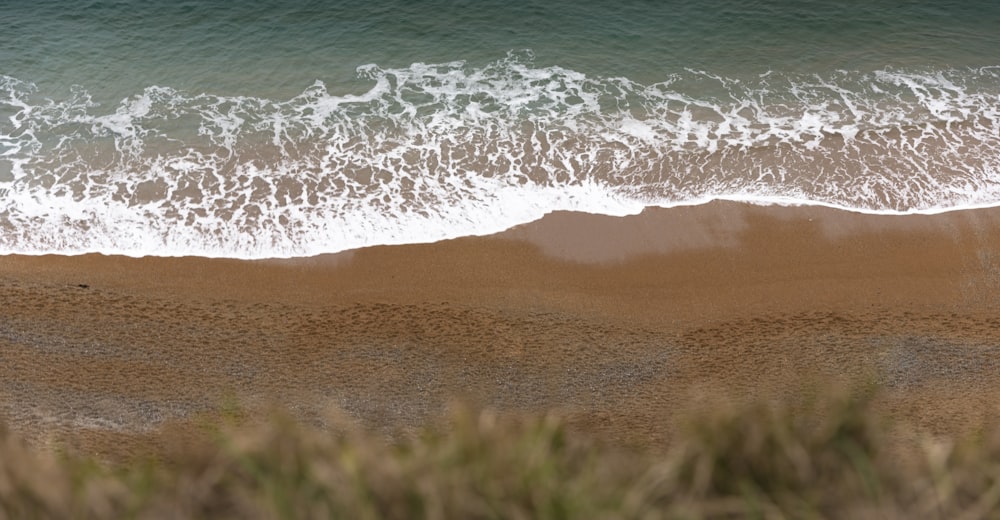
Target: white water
<point>438,151</point>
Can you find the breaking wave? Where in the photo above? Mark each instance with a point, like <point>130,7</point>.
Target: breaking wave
<point>434,151</point>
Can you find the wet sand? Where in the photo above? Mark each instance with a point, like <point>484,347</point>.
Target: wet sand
<point>616,323</point>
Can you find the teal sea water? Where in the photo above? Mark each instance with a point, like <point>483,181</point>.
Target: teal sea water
<point>276,129</point>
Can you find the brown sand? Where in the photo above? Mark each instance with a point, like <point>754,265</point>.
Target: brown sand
<point>614,322</point>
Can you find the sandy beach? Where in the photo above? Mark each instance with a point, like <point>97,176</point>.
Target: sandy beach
<point>615,323</point>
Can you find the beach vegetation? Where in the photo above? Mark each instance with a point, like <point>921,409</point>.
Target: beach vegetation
<point>830,455</point>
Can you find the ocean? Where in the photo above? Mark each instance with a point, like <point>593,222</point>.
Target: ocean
<point>286,129</point>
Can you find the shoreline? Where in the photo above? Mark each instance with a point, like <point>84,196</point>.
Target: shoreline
<point>615,322</point>
<point>776,204</point>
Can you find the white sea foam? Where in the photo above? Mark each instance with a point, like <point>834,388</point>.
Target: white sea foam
<point>433,151</point>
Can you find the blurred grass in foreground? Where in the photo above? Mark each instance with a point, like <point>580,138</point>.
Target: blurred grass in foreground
<point>829,455</point>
